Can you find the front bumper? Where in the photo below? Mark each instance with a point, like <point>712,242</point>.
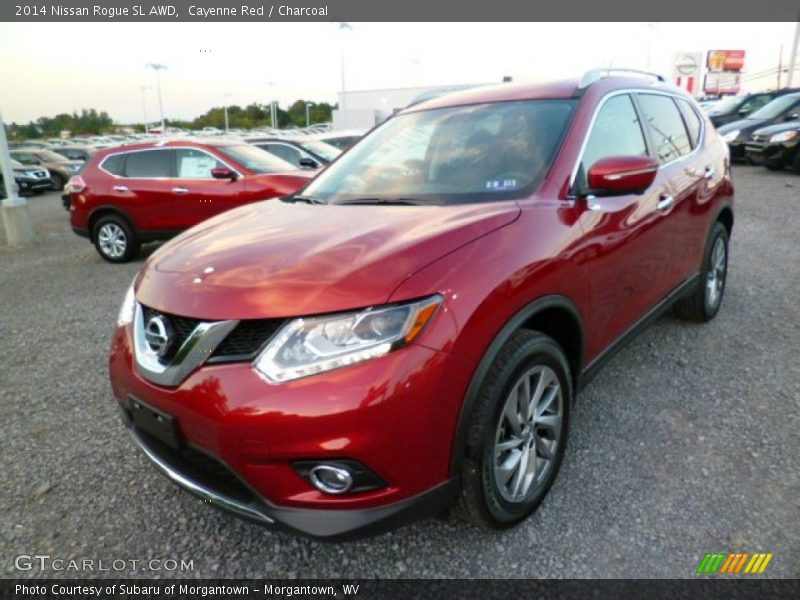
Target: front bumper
<point>777,154</point>
<point>395,414</point>
<point>34,185</point>
<point>737,149</point>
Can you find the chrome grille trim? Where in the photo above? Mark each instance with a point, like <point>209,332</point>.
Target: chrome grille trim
<point>192,353</point>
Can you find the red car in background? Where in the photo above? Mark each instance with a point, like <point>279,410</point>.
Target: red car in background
<point>151,191</point>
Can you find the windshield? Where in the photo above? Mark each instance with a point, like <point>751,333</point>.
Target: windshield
<point>458,154</point>
<point>321,149</point>
<point>16,164</point>
<point>727,105</point>
<point>256,160</point>
<point>776,107</point>
<point>48,156</point>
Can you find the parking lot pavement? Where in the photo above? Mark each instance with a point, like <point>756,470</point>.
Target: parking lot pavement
<point>687,443</point>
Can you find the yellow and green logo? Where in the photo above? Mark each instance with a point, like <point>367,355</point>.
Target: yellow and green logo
<point>724,563</point>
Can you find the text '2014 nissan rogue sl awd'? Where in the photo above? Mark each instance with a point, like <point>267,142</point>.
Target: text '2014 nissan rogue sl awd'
<point>409,332</point>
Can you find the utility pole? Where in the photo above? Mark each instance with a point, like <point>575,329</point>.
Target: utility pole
<point>16,216</point>
<point>780,68</point>
<point>793,56</point>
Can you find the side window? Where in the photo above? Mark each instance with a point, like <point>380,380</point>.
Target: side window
<point>666,127</point>
<point>616,132</point>
<point>114,164</point>
<point>285,152</point>
<point>692,121</point>
<point>757,102</point>
<point>195,164</point>
<point>149,164</point>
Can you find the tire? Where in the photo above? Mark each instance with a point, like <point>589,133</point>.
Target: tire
<point>57,181</point>
<point>796,162</point>
<point>495,444</point>
<point>773,166</point>
<point>703,305</point>
<point>115,239</point>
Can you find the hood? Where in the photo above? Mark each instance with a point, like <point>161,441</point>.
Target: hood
<point>63,164</point>
<point>274,259</point>
<point>746,125</point>
<point>779,128</point>
<point>285,183</point>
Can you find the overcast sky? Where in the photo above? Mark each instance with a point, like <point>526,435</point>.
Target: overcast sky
<point>49,68</point>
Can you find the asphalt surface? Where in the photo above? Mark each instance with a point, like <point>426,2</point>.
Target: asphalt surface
<point>687,442</point>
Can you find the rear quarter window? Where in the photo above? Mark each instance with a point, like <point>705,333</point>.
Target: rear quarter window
<point>114,164</point>
<point>693,123</point>
<point>149,164</point>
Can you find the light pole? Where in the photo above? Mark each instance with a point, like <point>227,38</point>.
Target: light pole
<point>145,88</point>
<point>272,112</point>
<point>158,68</point>
<point>343,108</point>
<point>16,216</point>
<point>308,105</point>
<point>226,110</point>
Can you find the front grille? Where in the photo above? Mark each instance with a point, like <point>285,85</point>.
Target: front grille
<point>181,326</point>
<point>247,338</point>
<point>241,344</point>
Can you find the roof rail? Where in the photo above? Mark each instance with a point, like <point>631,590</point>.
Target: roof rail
<point>597,74</point>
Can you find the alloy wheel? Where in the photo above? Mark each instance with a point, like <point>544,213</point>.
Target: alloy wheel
<point>528,434</point>
<point>715,280</point>
<point>112,240</point>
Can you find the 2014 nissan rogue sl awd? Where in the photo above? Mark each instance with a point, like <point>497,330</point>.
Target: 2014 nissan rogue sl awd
<point>409,331</point>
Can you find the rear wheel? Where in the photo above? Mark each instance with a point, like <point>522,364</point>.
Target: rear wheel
<point>517,432</point>
<point>115,240</point>
<point>705,301</point>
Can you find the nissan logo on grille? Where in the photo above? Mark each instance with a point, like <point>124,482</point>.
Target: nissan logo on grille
<point>158,335</point>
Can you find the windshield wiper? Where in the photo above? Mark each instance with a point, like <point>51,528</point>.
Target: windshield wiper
<point>306,199</point>
<point>383,201</point>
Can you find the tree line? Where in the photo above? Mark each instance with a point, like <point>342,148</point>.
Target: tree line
<point>90,121</point>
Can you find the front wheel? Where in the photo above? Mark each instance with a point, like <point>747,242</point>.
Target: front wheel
<point>57,181</point>
<point>517,432</point>
<point>705,301</point>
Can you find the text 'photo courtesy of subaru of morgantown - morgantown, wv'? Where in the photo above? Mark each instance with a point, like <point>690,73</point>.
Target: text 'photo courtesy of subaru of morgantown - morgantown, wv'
<point>407,329</point>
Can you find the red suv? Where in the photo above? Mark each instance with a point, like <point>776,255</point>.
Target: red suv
<point>410,332</point>
<point>147,192</point>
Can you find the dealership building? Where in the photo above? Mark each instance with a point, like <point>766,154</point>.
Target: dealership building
<point>363,109</point>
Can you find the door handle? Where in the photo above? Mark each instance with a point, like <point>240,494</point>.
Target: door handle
<point>180,190</point>
<point>664,202</point>
<point>709,173</point>
<point>120,188</point>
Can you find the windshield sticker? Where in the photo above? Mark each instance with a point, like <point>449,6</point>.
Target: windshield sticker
<point>500,185</point>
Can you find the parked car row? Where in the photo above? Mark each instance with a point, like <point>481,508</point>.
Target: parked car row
<point>761,128</point>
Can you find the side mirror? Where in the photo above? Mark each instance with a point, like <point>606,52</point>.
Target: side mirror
<point>620,175</point>
<point>308,163</point>
<point>793,116</point>
<point>744,110</point>
<point>224,173</point>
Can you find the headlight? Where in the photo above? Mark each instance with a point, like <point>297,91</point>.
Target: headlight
<point>305,347</point>
<point>128,305</point>
<point>783,137</point>
<point>731,136</point>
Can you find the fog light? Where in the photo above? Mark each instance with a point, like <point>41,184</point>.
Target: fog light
<point>330,479</point>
